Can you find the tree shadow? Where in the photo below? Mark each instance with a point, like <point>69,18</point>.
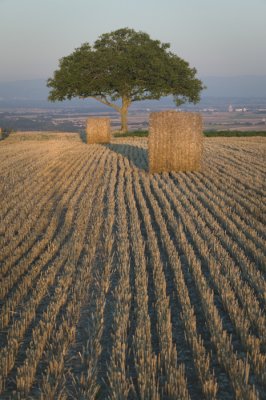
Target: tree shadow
<point>136,155</point>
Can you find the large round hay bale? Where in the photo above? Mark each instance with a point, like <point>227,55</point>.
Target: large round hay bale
<point>175,141</point>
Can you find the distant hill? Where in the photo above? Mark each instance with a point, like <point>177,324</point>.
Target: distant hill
<point>235,86</point>
<point>36,91</point>
<point>24,90</point>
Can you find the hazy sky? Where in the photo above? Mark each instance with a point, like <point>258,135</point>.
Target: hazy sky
<point>218,37</point>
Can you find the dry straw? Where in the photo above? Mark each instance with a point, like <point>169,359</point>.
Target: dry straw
<point>175,141</point>
<point>98,130</point>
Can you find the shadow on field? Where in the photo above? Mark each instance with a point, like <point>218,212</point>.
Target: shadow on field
<point>4,133</point>
<point>82,136</point>
<point>136,155</point>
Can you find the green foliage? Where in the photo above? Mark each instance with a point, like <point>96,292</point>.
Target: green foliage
<point>137,133</point>
<point>140,133</point>
<point>124,65</point>
<point>234,133</point>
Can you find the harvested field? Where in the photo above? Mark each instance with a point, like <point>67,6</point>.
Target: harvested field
<point>117,284</point>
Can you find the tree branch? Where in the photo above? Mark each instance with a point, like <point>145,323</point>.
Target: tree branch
<point>104,101</point>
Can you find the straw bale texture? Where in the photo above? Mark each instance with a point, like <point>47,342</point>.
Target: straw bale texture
<point>98,130</point>
<point>175,141</point>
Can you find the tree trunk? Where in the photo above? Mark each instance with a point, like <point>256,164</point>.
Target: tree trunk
<point>124,114</point>
<point>123,110</point>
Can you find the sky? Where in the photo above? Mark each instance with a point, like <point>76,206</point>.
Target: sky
<point>217,37</point>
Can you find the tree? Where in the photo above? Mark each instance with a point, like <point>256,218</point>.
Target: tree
<point>121,67</point>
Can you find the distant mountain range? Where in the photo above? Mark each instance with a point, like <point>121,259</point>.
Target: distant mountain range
<point>24,90</point>
<point>235,86</point>
<point>238,86</point>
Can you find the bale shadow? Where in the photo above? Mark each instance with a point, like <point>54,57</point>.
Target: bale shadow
<point>136,155</point>
<point>4,133</point>
<point>83,137</point>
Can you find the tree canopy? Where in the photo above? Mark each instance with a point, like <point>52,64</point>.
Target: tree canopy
<point>121,67</point>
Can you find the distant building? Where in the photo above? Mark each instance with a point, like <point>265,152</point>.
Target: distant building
<point>230,108</point>
<point>244,109</point>
<point>209,110</point>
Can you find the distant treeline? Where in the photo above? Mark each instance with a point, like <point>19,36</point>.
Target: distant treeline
<point>212,133</point>
<point>234,133</point>
<point>4,132</point>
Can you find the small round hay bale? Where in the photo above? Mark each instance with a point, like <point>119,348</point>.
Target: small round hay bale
<point>98,130</point>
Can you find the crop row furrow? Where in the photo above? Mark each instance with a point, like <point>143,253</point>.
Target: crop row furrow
<point>233,197</point>
<point>237,315</point>
<point>119,383</point>
<point>32,191</point>
<point>246,240</point>
<point>200,355</point>
<point>68,255</point>
<point>29,189</point>
<point>251,181</point>
<point>88,224</point>
<point>145,360</point>
<point>41,252</point>
<point>13,177</point>
<point>243,158</point>
<point>39,207</point>
<point>237,369</point>
<point>234,190</point>
<point>229,247</point>
<point>174,384</point>
<point>45,205</point>
<point>85,383</point>
<point>17,330</point>
<point>11,161</point>
<point>35,170</point>
<point>248,219</point>
<point>213,249</point>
